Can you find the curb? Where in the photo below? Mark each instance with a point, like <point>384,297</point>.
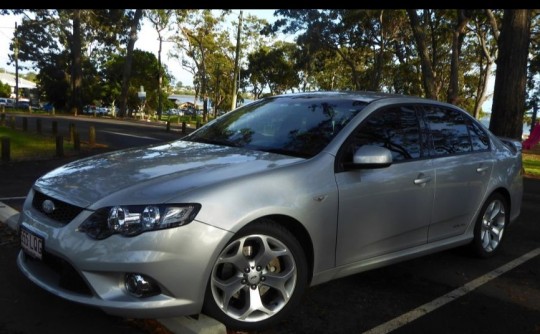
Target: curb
<point>178,325</point>
<point>189,325</point>
<point>9,216</point>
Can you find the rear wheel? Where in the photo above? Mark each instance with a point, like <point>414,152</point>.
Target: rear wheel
<point>490,226</point>
<point>258,278</point>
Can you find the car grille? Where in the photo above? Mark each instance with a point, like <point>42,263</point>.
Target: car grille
<point>68,277</point>
<point>63,212</point>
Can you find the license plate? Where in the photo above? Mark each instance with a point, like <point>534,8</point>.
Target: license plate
<point>31,243</point>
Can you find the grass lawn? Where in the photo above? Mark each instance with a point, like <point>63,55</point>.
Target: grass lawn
<point>531,161</point>
<point>34,146</point>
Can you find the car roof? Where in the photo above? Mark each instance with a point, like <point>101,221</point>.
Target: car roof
<point>365,96</point>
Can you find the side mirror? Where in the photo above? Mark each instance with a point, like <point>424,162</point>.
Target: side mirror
<point>370,156</point>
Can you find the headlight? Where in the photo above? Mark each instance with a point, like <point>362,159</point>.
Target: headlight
<point>132,220</point>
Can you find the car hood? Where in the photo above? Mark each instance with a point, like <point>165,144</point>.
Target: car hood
<point>153,173</point>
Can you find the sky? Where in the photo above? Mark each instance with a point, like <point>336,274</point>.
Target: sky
<point>147,41</point>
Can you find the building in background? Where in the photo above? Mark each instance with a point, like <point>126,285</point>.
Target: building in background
<point>27,89</point>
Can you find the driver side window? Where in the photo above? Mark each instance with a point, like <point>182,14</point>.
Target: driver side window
<point>394,128</point>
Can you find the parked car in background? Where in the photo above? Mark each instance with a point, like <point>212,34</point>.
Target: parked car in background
<point>172,112</point>
<point>95,110</point>
<point>7,102</point>
<point>48,107</point>
<point>22,105</point>
<point>239,217</point>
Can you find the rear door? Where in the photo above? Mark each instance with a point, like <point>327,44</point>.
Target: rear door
<point>463,163</point>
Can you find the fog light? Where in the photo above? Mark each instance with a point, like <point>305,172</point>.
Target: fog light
<point>141,286</point>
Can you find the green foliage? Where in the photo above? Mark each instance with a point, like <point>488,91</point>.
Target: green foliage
<point>5,89</point>
<point>273,68</point>
<point>531,164</point>
<point>143,73</point>
<point>47,39</point>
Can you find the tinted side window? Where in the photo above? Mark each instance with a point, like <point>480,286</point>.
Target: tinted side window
<point>396,129</point>
<point>449,131</point>
<point>479,138</point>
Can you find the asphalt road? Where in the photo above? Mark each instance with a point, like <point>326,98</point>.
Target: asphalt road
<point>448,292</point>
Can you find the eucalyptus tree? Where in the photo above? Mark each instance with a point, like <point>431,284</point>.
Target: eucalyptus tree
<point>160,19</point>
<point>234,90</point>
<point>432,30</point>
<point>364,39</point>
<point>63,39</point>
<point>485,27</point>
<point>251,40</point>
<point>133,20</point>
<point>144,66</point>
<point>323,70</point>
<point>272,67</point>
<point>220,81</point>
<point>533,74</point>
<point>197,40</point>
<point>511,78</point>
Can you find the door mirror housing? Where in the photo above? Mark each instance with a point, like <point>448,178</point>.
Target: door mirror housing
<point>370,156</point>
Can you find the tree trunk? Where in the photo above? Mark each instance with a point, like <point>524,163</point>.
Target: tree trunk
<point>126,76</point>
<point>485,70</point>
<point>428,75</point>
<point>457,41</point>
<point>511,78</point>
<point>234,92</point>
<point>76,65</point>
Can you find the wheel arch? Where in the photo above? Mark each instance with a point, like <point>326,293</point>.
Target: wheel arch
<point>506,195</point>
<point>300,233</point>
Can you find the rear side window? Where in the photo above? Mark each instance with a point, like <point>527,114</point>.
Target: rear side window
<point>479,138</point>
<point>452,132</point>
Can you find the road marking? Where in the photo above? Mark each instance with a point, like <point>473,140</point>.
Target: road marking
<point>451,296</point>
<point>126,134</point>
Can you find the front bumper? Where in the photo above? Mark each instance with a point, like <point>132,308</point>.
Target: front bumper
<point>92,272</point>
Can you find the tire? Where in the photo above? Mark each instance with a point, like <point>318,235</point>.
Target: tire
<point>257,279</point>
<point>490,226</point>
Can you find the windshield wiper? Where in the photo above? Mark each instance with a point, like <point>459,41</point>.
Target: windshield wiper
<point>283,151</point>
<point>211,141</point>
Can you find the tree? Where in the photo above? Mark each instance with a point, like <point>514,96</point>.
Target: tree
<point>486,51</point>
<point>428,72</point>
<point>511,78</point>
<point>145,65</point>
<point>160,19</point>
<point>76,38</point>
<point>126,76</point>
<point>458,35</point>
<point>364,40</point>
<point>273,68</point>
<point>5,89</point>
<point>197,40</point>
<point>234,91</point>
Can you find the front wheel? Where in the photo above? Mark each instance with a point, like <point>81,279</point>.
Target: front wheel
<point>490,226</point>
<point>257,278</point>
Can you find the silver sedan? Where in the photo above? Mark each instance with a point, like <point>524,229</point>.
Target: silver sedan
<point>240,217</point>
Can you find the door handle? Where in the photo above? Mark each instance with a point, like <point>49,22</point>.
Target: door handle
<point>482,169</point>
<point>422,179</point>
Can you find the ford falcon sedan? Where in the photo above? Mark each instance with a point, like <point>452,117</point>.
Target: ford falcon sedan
<point>237,219</point>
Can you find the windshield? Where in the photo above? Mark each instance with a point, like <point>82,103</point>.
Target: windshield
<point>296,126</point>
